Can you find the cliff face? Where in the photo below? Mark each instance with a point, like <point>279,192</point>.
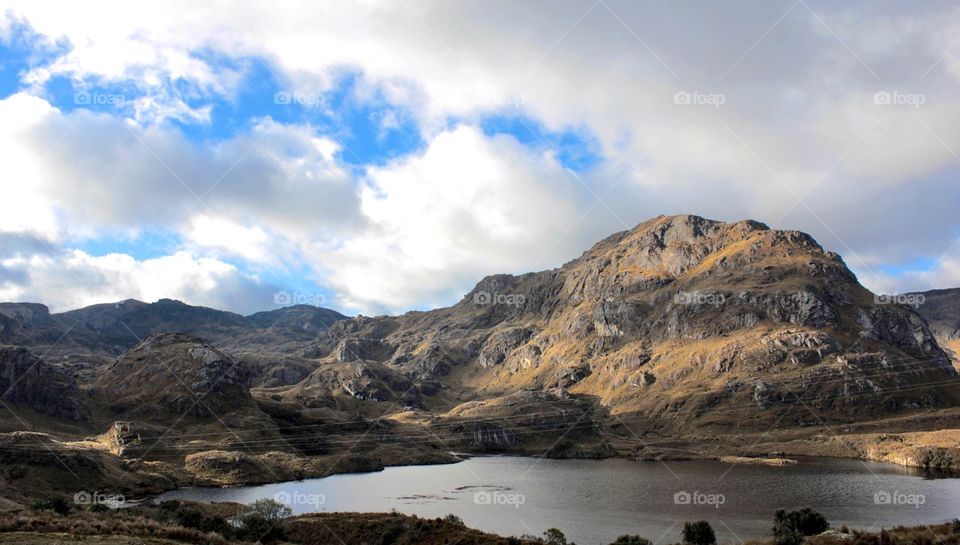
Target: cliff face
<point>941,308</point>
<point>682,320</point>
<point>28,381</point>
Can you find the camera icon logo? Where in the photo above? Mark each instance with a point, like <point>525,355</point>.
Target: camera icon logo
<point>482,298</point>
<point>81,98</point>
<point>282,97</point>
<point>682,97</point>
<point>882,97</point>
<point>882,498</point>
<point>682,498</point>
<point>482,498</point>
<point>282,298</point>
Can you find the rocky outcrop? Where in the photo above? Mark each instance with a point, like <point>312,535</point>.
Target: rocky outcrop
<point>648,319</point>
<point>941,309</point>
<point>28,381</point>
<point>174,373</point>
<point>365,381</point>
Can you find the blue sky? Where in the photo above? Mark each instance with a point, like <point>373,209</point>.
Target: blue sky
<point>380,159</point>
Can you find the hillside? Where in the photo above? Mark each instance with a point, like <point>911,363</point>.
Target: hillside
<point>681,337</point>
<point>678,322</point>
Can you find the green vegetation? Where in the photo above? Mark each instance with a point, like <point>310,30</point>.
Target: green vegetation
<point>263,521</point>
<point>698,533</point>
<point>554,536</point>
<point>267,521</point>
<point>57,504</point>
<point>790,527</point>
<point>631,540</point>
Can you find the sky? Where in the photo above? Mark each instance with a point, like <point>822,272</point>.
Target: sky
<point>379,157</point>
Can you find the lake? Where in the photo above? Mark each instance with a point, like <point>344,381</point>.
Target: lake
<point>594,501</point>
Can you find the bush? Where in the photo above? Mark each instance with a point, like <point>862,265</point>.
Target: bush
<point>263,521</point>
<point>191,517</point>
<point>554,537</point>
<point>57,504</point>
<point>790,527</point>
<point>454,519</point>
<point>631,540</point>
<point>698,533</point>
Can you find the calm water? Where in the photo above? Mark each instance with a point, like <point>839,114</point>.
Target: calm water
<point>595,501</point>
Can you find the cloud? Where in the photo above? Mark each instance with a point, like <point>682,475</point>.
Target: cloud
<point>799,141</point>
<point>72,278</point>
<point>466,207</point>
<point>84,173</point>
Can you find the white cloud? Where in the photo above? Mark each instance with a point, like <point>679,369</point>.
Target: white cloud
<point>23,206</point>
<point>799,114</point>
<point>74,279</point>
<point>251,243</point>
<point>84,174</point>
<point>466,207</point>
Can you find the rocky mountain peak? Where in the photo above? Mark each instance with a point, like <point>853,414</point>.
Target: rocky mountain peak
<point>680,310</point>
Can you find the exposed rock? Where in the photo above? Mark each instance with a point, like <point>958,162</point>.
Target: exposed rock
<point>500,344</point>
<point>176,373</point>
<point>29,381</point>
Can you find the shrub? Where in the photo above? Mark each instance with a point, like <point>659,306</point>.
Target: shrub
<point>191,517</point>
<point>554,536</point>
<point>57,504</point>
<point>631,540</point>
<point>263,521</point>
<point>698,533</point>
<point>454,519</point>
<point>790,527</point>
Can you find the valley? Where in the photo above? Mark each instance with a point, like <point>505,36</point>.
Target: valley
<point>682,338</point>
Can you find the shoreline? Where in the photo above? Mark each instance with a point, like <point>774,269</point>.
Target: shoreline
<point>731,460</point>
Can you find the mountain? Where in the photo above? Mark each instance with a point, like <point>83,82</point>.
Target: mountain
<point>941,308</point>
<point>680,322</point>
<point>307,319</point>
<point>27,323</point>
<point>87,337</point>
<point>680,337</point>
<point>175,373</point>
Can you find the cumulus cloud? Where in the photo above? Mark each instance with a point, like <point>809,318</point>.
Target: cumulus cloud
<point>835,119</point>
<point>72,279</point>
<point>436,227</point>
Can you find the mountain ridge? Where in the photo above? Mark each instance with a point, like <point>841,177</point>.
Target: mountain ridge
<point>679,328</point>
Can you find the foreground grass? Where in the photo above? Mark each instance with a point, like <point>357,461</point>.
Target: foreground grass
<point>179,523</point>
